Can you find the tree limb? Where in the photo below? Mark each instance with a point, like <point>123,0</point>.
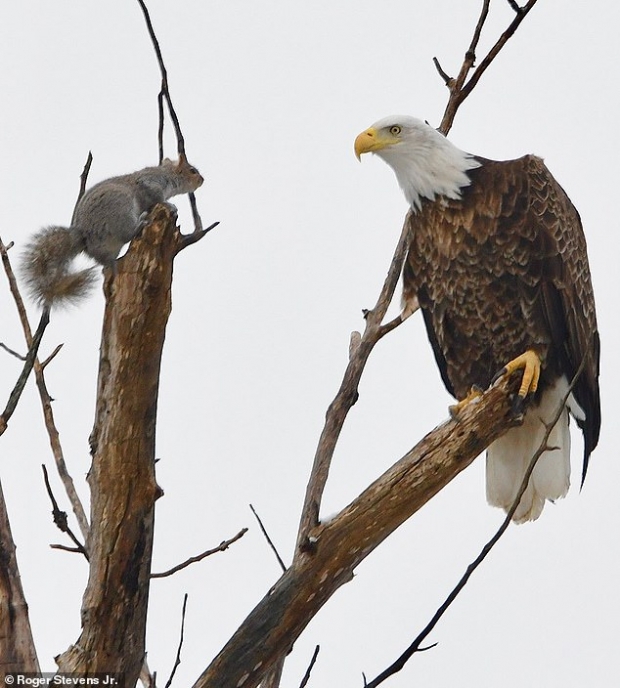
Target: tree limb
<point>544,446</point>
<point>347,394</point>
<point>335,548</point>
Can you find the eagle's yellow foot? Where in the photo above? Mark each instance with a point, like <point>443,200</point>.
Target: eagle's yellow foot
<point>456,409</point>
<point>530,363</point>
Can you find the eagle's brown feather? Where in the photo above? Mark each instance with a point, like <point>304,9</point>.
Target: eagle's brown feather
<point>503,269</point>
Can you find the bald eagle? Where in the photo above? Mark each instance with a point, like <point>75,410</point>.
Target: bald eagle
<point>497,262</point>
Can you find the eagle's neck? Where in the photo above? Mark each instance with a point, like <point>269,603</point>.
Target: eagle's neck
<point>430,169</point>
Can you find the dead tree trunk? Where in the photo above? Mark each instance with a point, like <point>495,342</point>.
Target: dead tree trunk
<point>122,474</point>
<point>17,652</point>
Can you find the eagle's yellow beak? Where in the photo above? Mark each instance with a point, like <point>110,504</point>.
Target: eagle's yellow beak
<point>365,142</point>
<point>372,140</point>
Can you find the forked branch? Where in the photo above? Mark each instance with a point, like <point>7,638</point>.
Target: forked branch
<point>164,95</point>
<point>460,87</point>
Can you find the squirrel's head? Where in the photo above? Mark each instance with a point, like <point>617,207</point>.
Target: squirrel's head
<point>190,178</point>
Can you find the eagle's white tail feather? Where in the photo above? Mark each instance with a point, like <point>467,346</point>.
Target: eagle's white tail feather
<point>509,456</point>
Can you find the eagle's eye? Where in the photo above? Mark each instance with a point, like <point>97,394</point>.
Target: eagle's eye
<point>395,130</point>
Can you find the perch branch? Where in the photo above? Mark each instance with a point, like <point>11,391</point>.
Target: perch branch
<point>544,446</point>
<point>193,560</point>
<point>337,547</point>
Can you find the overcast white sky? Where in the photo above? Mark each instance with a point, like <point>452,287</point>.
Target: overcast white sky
<point>270,96</point>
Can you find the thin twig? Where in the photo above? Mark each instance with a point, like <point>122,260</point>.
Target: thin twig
<point>17,355</point>
<point>459,87</point>
<point>493,52</point>
<point>160,126</point>
<point>188,239</point>
<point>33,343</point>
<point>165,90</point>
<point>57,451</point>
<point>65,548</point>
<point>164,94</point>
<point>415,645</point>
<point>193,560</point>
<point>60,518</point>
<point>46,400</point>
<point>306,678</point>
<point>84,176</point>
<point>18,389</point>
<point>15,293</point>
<point>52,356</point>
<point>269,540</point>
<point>177,660</point>
<point>447,79</point>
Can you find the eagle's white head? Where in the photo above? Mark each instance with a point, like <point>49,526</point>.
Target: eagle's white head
<point>426,164</point>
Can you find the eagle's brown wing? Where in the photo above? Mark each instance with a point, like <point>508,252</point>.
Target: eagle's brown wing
<point>567,296</point>
<point>503,269</point>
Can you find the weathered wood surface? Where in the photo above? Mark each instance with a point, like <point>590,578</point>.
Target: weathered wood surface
<point>122,473</point>
<point>335,548</point>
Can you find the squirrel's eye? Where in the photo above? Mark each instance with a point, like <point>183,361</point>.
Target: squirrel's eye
<point>395,130</point>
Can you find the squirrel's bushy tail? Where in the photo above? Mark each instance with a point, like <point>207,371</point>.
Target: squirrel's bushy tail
<point>45,267</point>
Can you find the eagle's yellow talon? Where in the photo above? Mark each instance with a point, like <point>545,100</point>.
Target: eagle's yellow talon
<point>530,363</point>
<point>456,409</point>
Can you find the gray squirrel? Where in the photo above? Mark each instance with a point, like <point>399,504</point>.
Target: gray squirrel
<point>109,215</point>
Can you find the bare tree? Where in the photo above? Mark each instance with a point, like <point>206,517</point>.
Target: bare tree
<point>118,536</point>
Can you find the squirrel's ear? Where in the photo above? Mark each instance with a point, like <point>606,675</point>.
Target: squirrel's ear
<point>168,162</point>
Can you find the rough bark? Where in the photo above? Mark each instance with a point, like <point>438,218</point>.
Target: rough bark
<point>336,547</point>
<point>122,474</point>
<point>17,651</point>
